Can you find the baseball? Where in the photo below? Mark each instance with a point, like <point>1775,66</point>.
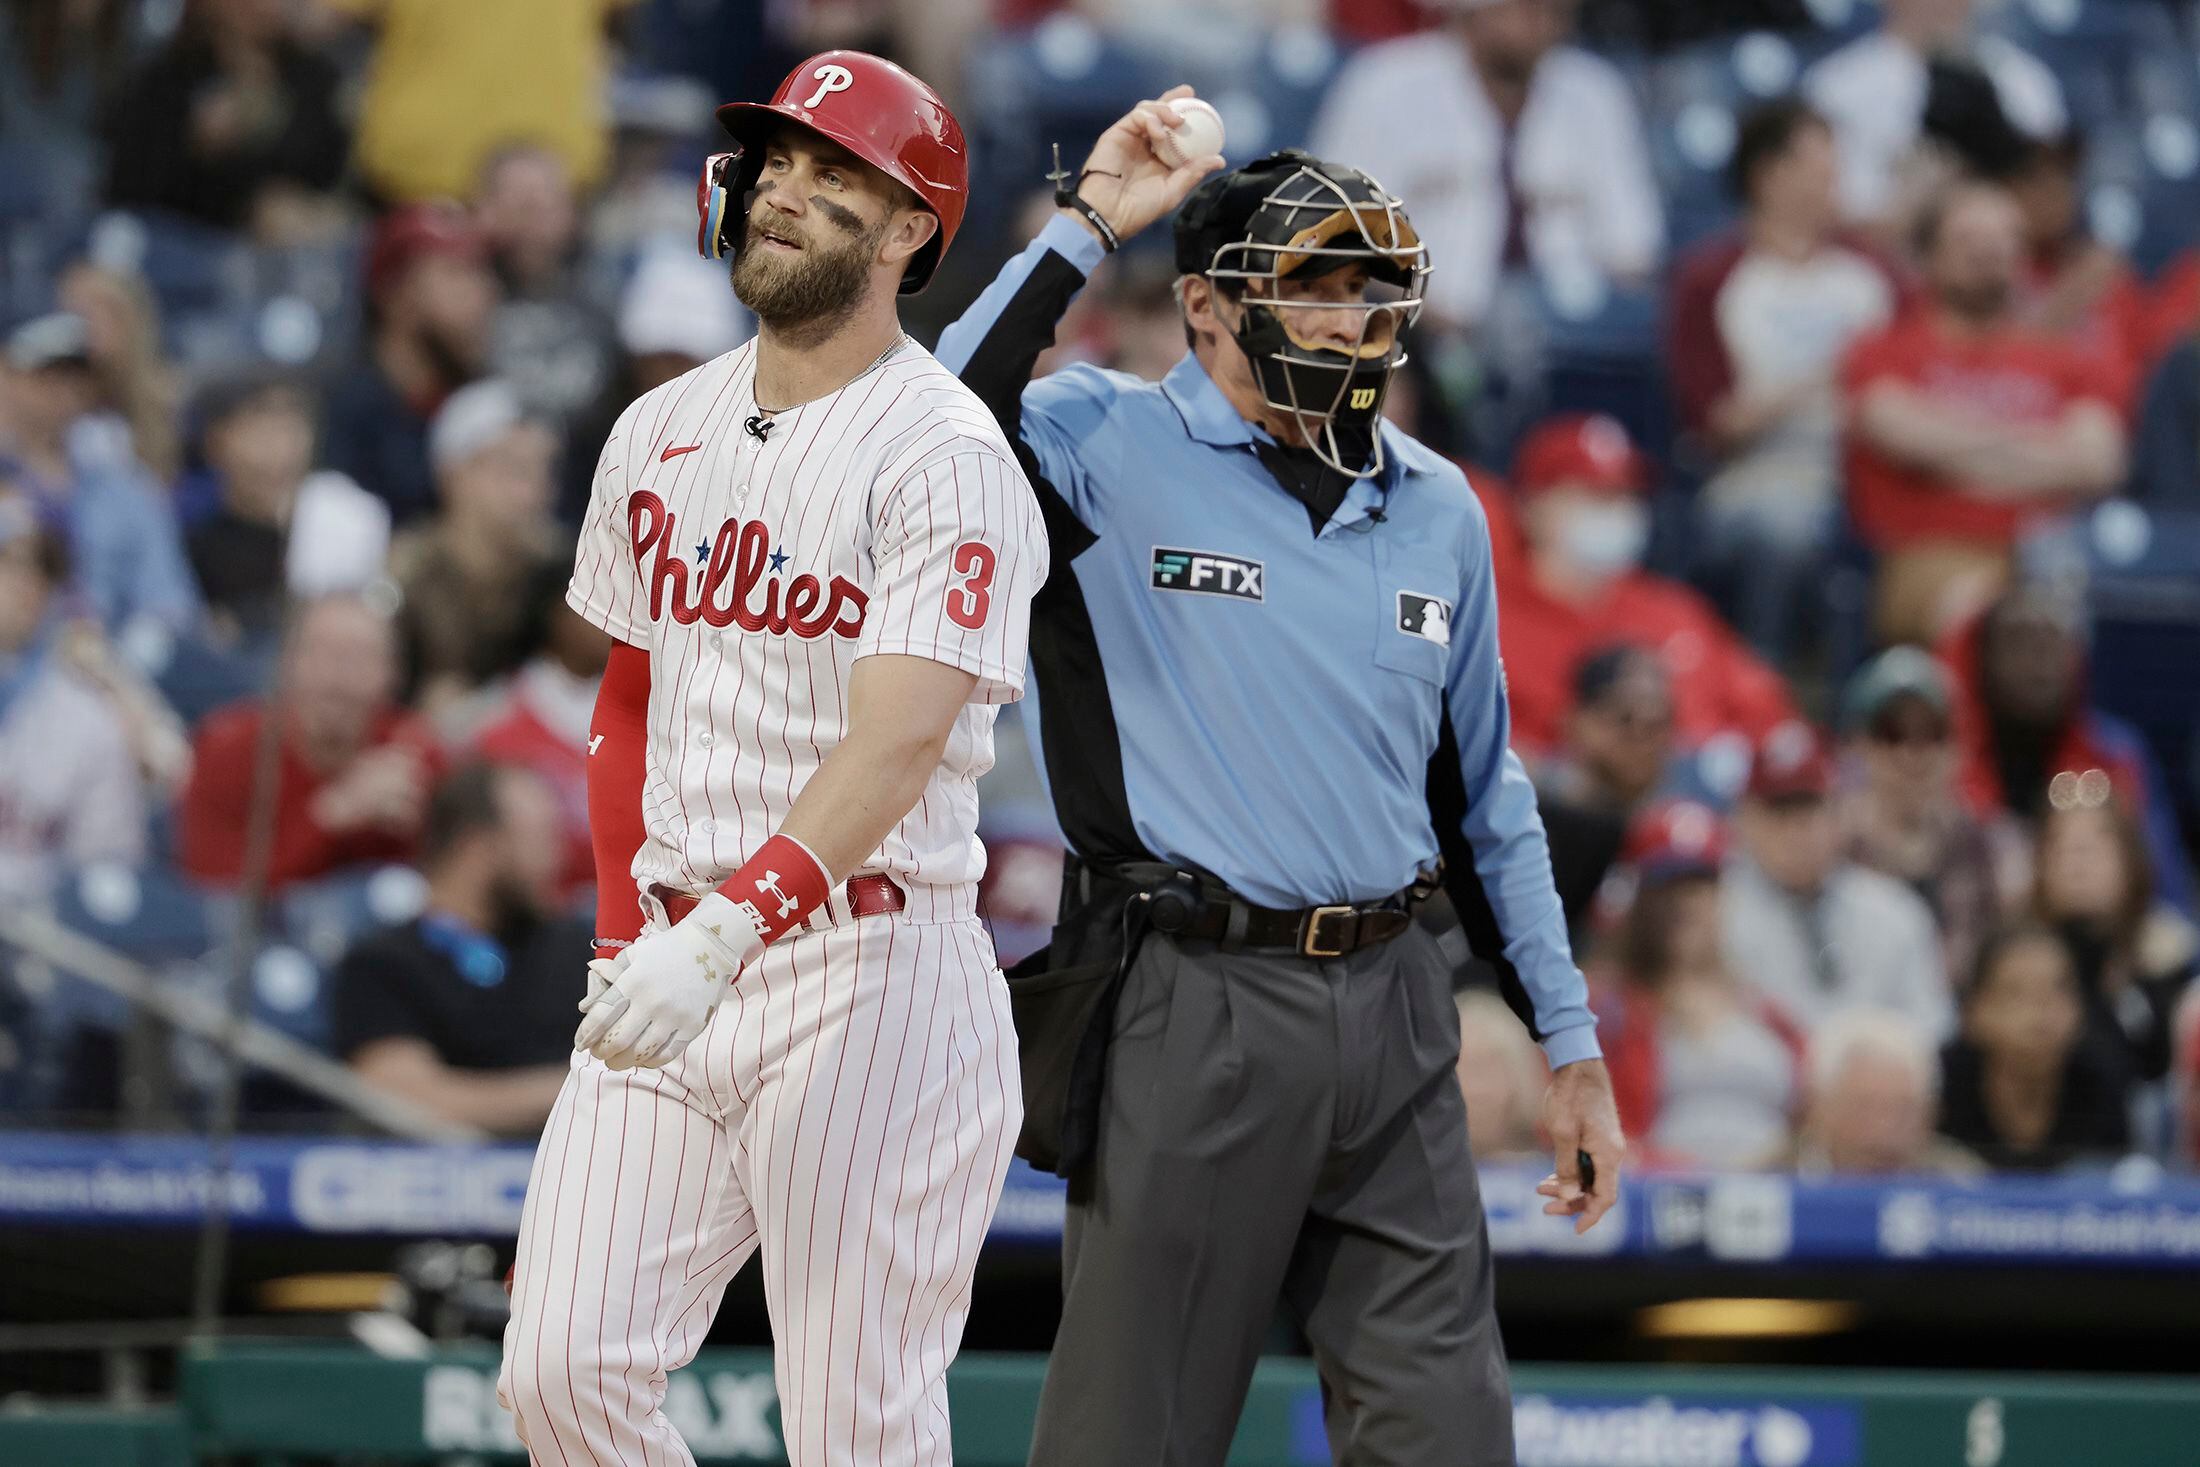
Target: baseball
<point>1197,133</point>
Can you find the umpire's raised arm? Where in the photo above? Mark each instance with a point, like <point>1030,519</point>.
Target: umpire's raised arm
<point>1122,188</point>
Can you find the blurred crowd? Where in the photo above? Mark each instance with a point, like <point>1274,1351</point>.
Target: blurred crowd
<point>1805,355</point>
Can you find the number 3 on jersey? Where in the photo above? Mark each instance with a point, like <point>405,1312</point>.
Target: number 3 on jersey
<point>970,597</point>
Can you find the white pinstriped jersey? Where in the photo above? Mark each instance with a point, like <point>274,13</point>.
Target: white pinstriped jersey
<point>890,516</point>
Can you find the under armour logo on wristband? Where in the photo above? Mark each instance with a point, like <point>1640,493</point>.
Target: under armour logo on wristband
<point>769,881</point>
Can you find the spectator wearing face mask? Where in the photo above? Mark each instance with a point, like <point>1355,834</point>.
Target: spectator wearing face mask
<point>2024,716</point>
<point>1580,587</point>
<point>1874,1094</point>
<point>2020,1088</point>
<point>1906,817</point>
<point>1816,933</point>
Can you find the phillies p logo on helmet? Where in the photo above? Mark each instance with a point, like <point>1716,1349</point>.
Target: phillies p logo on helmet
<point>829,79</point>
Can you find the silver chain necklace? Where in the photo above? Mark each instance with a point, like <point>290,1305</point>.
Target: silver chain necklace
<point>893,346</point>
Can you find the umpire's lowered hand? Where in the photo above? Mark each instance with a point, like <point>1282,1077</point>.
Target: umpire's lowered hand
<point>1584,1124</point>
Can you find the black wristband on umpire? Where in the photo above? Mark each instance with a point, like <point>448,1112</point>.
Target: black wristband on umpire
<point>1067,197</point>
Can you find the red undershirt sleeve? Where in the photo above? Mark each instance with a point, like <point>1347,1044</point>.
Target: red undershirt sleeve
<point>618,745</point>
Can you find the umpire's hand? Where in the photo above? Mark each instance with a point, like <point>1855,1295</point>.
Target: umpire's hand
<point>1579,1113</point>
<point>1125,179</point>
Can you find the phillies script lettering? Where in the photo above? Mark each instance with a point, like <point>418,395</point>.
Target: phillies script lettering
<point>801,607</point>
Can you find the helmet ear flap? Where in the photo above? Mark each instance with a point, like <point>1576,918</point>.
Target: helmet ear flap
<point>712,199</point>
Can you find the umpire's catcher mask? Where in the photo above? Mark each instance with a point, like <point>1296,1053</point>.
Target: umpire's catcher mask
<point>1291,218</point>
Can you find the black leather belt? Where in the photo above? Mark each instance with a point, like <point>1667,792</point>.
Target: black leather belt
<point>1184,904</point>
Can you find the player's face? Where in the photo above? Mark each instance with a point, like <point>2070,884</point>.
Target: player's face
<point>816,224</point>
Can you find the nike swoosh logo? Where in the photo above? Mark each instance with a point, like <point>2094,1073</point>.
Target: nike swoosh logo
<point>672,453</point>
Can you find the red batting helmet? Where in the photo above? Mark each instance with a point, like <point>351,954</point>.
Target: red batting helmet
<point>875,110</point>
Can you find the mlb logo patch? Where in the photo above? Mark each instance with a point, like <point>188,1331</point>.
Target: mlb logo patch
<point>1424,616</point>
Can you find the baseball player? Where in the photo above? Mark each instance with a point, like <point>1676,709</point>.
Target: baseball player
<point>816,555</point>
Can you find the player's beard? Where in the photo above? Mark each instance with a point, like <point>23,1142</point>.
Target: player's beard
<point>806,295</point>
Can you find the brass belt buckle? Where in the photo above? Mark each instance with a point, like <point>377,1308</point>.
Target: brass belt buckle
<point>1310,939</point>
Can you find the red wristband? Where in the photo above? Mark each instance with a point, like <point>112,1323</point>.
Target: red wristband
<point>779,885</point>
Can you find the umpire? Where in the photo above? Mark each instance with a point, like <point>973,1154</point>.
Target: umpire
<point>1241,1051</point>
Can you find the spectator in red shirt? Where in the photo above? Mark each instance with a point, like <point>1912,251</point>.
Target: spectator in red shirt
<point>543,724</point>
<point>355,769</point>
<point>1761,316</point>
<point>1965,427</point>
<point>1578,588</point>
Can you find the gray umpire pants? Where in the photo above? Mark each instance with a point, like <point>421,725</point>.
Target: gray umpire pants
<point>1277,1128</point>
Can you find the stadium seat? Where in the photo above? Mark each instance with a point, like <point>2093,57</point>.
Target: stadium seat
<point>195,676</point>
<point>324,918</point>
<point>149,914</point>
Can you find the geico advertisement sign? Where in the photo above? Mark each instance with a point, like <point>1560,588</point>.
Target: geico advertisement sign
<point>358,1189</point>
<point>1577,1431</point>
<point>723,1415</point>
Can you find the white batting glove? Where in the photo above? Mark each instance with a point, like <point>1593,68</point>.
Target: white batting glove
<point>648,1004</point>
